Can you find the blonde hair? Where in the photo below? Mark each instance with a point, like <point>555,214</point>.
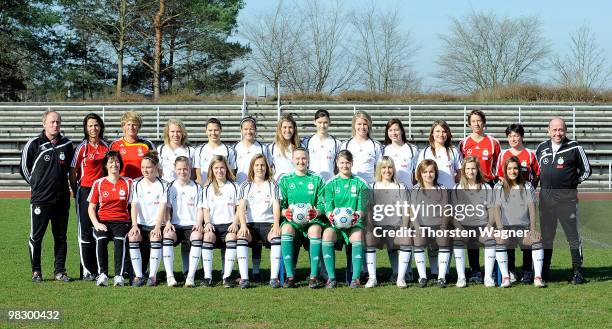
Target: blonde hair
<point>212,180</point>
<point>131,116</point>
<point>251,175</point>
<point>280,141</point>
<point>463,182</point>
<point>361,115</point>
<point>181,126</point>
<point>384,161</point>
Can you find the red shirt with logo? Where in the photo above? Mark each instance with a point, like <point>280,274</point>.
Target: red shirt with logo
<point>112,199</point>
<point>487,150</point>
<point>131,154</point>
<point>87,161</point>
<point>529,163</point>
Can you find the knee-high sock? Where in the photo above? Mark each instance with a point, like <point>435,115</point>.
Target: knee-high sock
<point>489,254</point>
<point>275,257</point>
<point>432,254</point>
<point>315,253</point>
<point>154,258</point>
<point>444,255</point>
<point>419,259</point>
<point>168,254</point>
<point>207,259</point>
<point>403,256</point>
<point>392,253</point>
<point>242,250</point>
<point>185,250</point>
<point>287,252</point>
<point>538,259</point>
<point>329,258</point>
<point>370,254</point>
<point>194,257</point>
<point>256,257</point>
<point>230,258</point>
<point>459,252</point>
<point>357,258</point>
<point>136,258</point>
<point>501,255</point>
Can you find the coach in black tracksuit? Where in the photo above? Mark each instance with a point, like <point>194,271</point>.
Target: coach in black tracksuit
<point>45,164</point>
<point>563,165</point>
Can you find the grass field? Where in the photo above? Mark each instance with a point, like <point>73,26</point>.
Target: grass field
<point>82,304</point>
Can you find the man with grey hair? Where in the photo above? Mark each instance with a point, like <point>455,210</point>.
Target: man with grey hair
<point>563,166</point>
<point>45,164</point>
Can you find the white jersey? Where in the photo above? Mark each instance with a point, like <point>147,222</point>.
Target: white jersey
<point>149,197</point>
<point>259,200</point>
<point>515,206</point>
<point>244,155</point>
<point>322,155</point>
<point>365,156</point>
<point>431,204</point>
<point>282,164</point>
<point>167,156</point>
<point>184,201</point>
<point>448,164</point>
<point>405,160</point>
<point>204,153</point>
<point>385,194</point>
<point>482,200</point>
<point>222,207</point>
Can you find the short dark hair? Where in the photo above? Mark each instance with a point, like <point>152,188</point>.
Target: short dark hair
<point>401,127</point>
<point>107,157</point>
<point>213,120</point>
<point>515,128</point>
<point>100,122</point>
<point>321,113</point>
<point>478,113</point>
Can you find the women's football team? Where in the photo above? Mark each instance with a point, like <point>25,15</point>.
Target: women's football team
<point>296,193</point>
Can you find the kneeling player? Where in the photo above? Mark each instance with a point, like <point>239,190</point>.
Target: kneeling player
<point>349,192</point>
<point>149,197</point>
<point>302,187</point>
<point>259,214</point>
<point>184,197</point>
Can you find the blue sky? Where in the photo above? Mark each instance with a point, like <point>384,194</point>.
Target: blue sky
<point>427,19</point>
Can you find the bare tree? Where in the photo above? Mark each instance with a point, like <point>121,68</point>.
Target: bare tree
<point>384,52</point>
<point>482,51</point>
<point>585,65</point>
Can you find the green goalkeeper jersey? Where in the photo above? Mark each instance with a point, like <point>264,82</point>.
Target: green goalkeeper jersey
<point>302,189</point>
<point>346,193</point>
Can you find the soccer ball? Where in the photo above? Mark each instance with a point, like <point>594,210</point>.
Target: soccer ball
<point>343,217</point>
<point>299,212</point>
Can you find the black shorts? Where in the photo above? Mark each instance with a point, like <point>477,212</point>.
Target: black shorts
<point>183,234</point>
<point>145,232</point>
<point>220,234</point>
<point>259,233</point>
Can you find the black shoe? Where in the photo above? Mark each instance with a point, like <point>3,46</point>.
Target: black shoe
<point>244,284</point>
<point>441,283</point>
<point>207,283</point>
<point>227,283</point>
<point>36,277</point>
<point>578,278</point>
<point>331,284</point>
<point>314,283</point>
<point>89,277</point>
<point>422,282</point>
<point>527,277</point>
<point>289,283</point>
<point>62,277</point>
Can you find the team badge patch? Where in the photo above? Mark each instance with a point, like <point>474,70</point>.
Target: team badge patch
<point>62,156</point>
<point>47,157</point>
<point>545,161</point>
<point>310,186</point>
<point>485,152</point>
<point>292,186</point>
<point>353,189</point>
<point>140,152</point>
<point>524,163</point>
<point>37,210</point>
<point>560,161</point>
<point>121,192</point>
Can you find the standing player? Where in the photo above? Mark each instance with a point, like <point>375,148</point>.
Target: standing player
<point>108,211</point>
<point>149,198</point>
<point>247,148</point>
<point>480,145</point>
<point>131,147</point>
<point>322,147</point>
<point>364,149</point>
<point>564,166</point>
<point>515,210</point>
<point>45,163</point>
<point>183,221</point>
<point>530,170</point>
<point>259,214</point>
<point>205,152</point>
<point>219,205</point>
<point>175,145</point>
<point>306,187</point>
<point>286,140</point>
<point>86,169</point>
<point>345,190</point>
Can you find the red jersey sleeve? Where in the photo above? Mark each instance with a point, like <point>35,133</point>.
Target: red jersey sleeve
<point>94,196</point>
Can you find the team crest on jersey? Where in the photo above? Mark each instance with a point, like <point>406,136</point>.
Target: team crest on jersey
<point>310,186</point>
<point>353,189</point>
<point>47,157</point>
<point>140,152</point>
<point>105,194</point>
<point>524,164</point>
<point>560,161</point>
<point>121,192</point>
<point>123,151</point>
<point>485,152</point>
<point>37,210</point>
<point>292,186</point>
<point>545,161</point>
<point>62,156</point>
<point>91,157</point>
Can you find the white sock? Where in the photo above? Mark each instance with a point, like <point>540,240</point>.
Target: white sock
<point>194,257</point>
<point>169,257</point>
<point>403,256</point>
<point>444,255</point>
<point>207,259</point>
<point>136,258</point>
<point>230,258</point>
<point>242,250</point>
<point>154,258</point>
<point>419,259</point>
<point>501,255</point>
<point>275,257</point>
<point>489,255</point>
<point>538,260</point>
<point>459,252</point>
<point>370,256</point>
<point>433,261</point>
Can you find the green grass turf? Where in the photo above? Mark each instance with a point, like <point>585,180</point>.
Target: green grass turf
<point>85,305</point>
